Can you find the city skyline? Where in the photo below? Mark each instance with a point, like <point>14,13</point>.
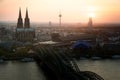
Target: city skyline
<point>72,11</point>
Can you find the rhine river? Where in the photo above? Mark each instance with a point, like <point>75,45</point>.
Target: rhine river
<point>108,69</point>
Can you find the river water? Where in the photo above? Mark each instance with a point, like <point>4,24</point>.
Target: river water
<point>108,69</point>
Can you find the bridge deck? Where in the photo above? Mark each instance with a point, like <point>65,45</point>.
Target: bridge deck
<point>62,65</point>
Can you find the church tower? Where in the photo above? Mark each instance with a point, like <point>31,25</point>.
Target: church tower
<point>27,20</point>
<point>24,34</point>
<point>20,21</point>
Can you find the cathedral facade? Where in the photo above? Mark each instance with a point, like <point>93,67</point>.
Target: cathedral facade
<point>24,33</point>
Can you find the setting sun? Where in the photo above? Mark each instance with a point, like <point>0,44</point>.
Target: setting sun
<point>91,11</point>
<point>91,14</point>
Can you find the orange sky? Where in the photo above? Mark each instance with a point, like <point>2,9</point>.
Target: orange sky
<point>72,10</point>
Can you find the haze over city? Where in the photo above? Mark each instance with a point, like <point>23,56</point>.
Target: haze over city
<point>59,39</point>
<point>73,11</point>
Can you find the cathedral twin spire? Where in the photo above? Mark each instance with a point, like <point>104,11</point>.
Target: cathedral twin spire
<point>20,21</point>
<point>20,16</point>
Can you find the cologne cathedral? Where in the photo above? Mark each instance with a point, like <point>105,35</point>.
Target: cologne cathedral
<point>24,33</point>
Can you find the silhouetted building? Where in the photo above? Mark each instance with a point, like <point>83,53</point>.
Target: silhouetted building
<point>50,23</point>
<point>27,21</point>
<point>90,23</point>
<point>56,37</point>
<point>24,33</point>
<point>3,32</point>
<point>20,21</point>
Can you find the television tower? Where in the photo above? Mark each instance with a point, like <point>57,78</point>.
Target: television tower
<point>60,15</point>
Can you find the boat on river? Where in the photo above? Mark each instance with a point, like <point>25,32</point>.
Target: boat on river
<point>26,60</point>
<point>1,60</point>
<point>116,57</point>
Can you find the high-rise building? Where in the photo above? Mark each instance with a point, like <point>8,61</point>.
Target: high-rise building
<point>90,23</point>
<point>24,33</point>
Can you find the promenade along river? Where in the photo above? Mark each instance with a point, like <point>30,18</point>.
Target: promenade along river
<point>108,69</point>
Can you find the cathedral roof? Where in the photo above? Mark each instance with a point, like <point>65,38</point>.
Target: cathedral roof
<point>25,29</point>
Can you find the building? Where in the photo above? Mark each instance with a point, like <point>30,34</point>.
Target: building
<point>90,23</point>
<point>3,32</point>
<point>24,33</point>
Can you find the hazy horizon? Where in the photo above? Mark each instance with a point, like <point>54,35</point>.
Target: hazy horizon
<point>73,11</point>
